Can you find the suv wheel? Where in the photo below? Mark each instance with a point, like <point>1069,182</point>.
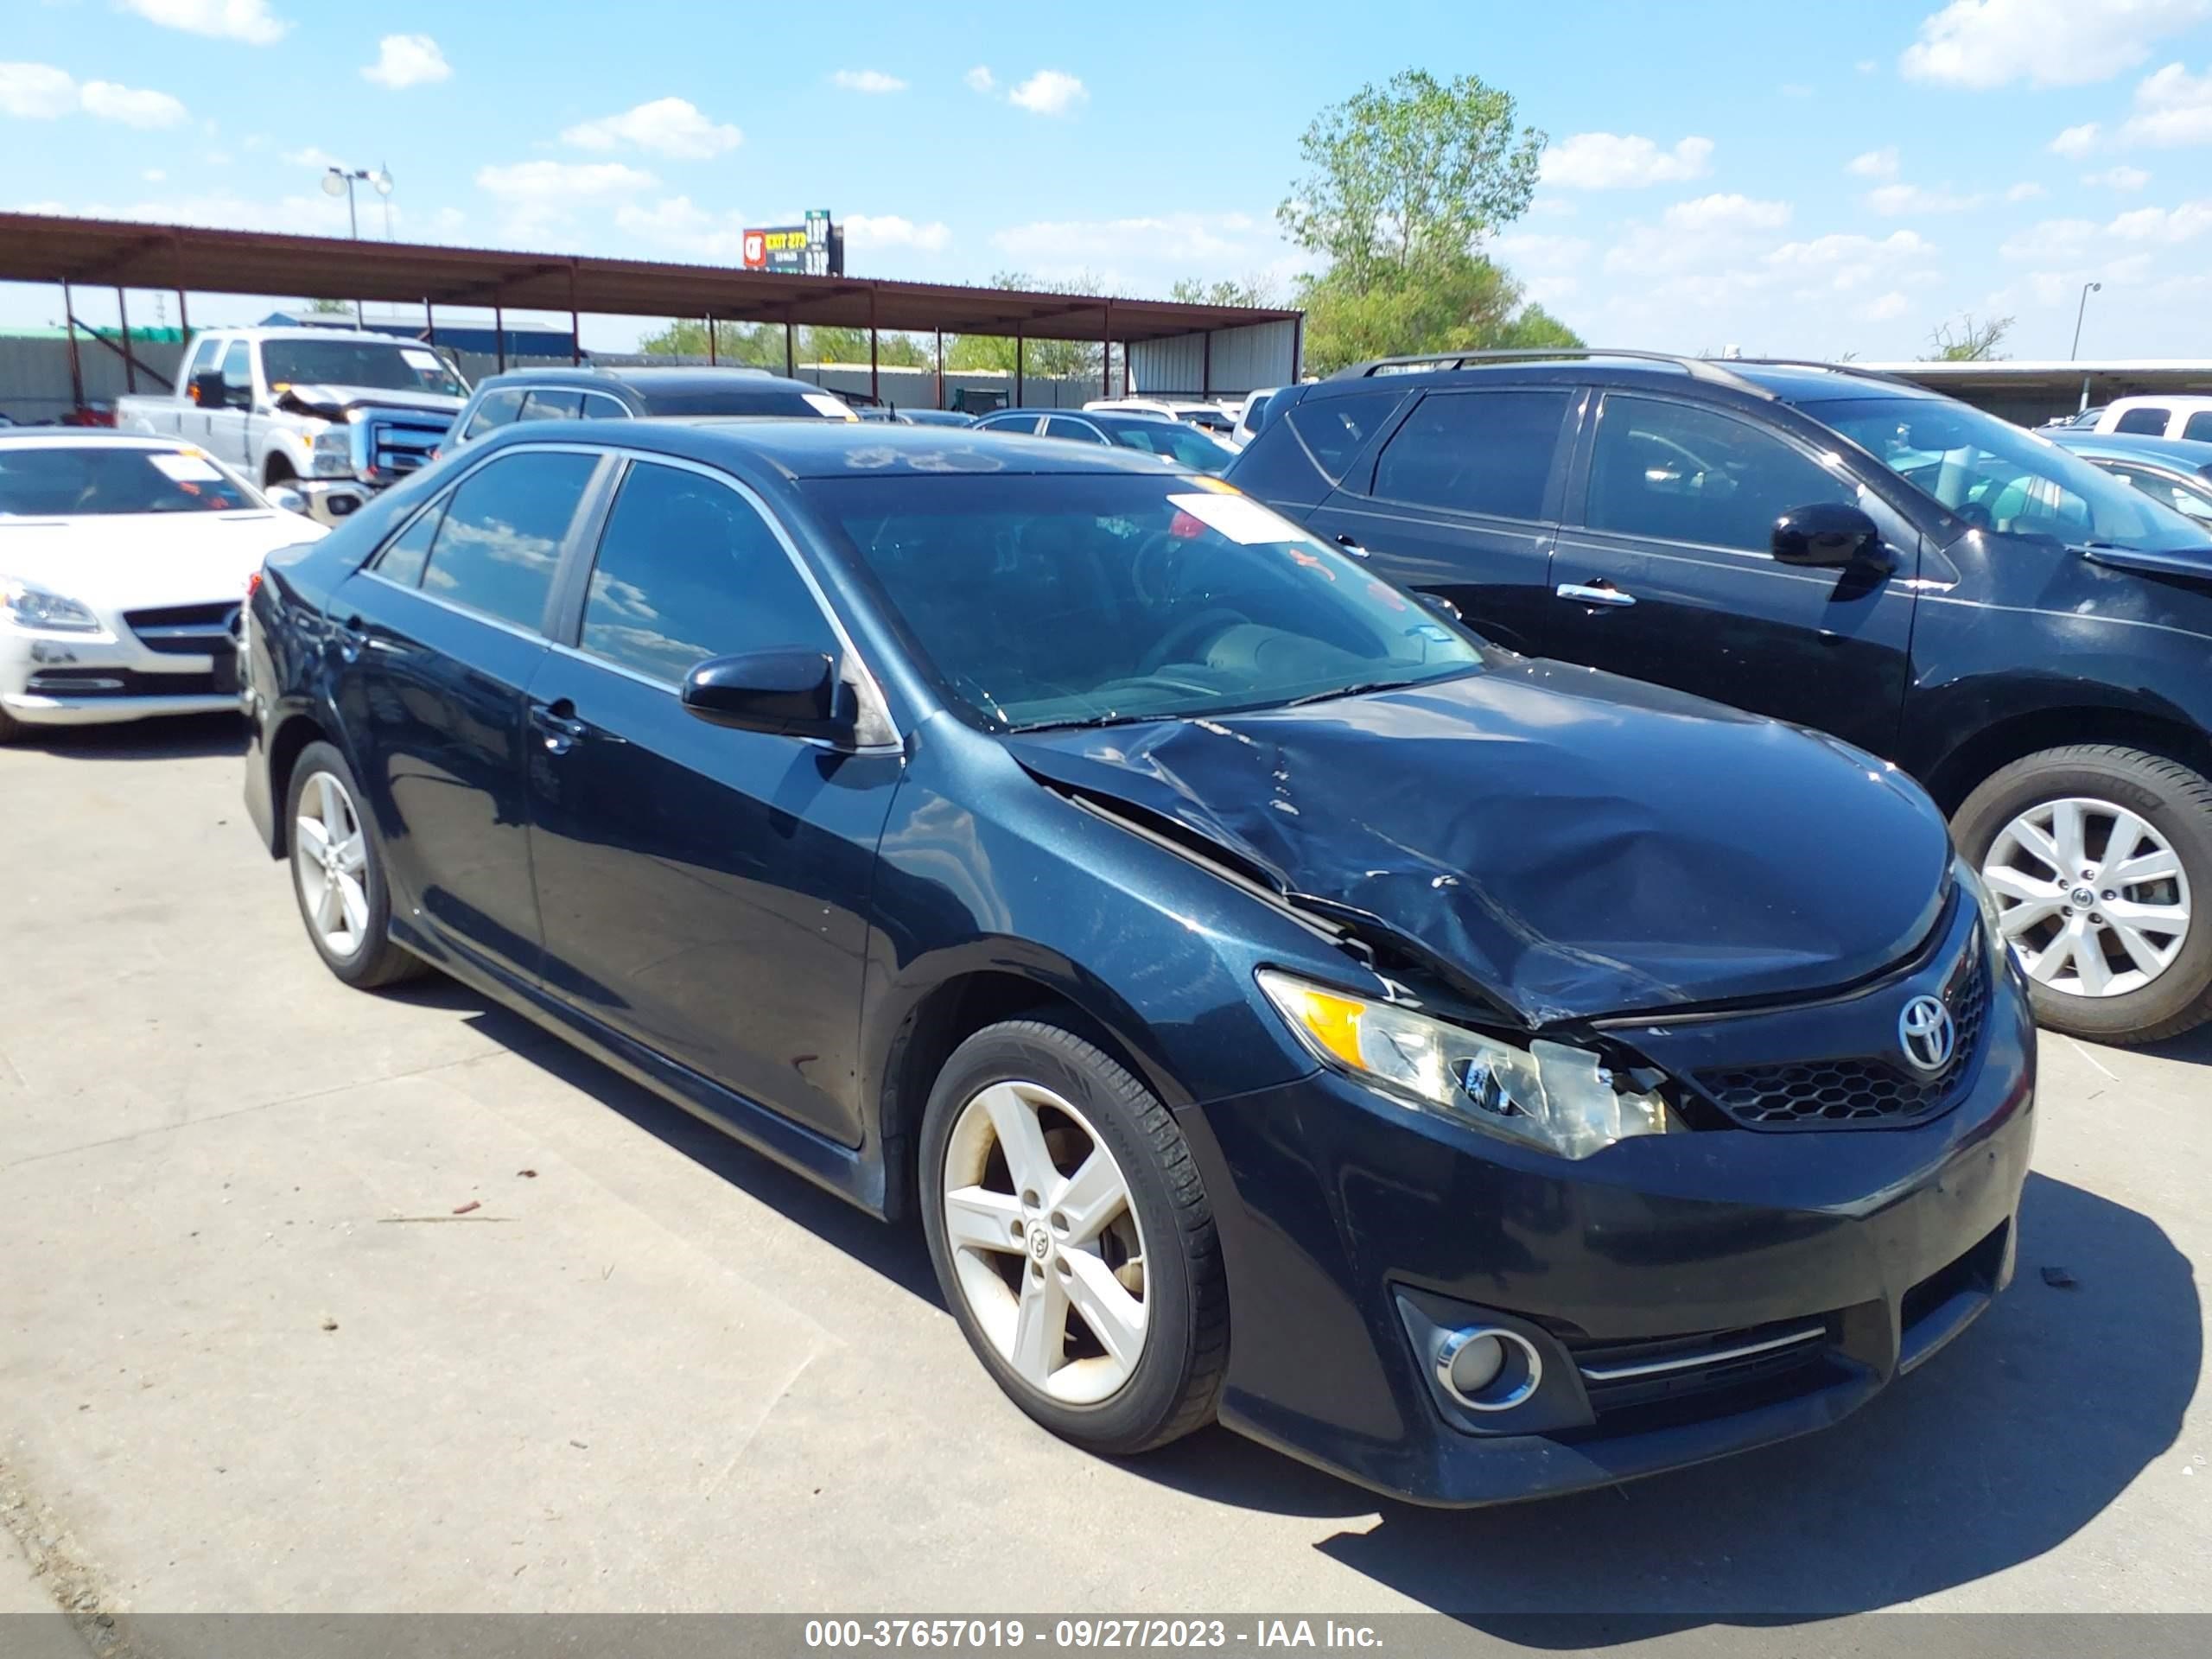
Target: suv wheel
<point>1072,1238</point>
<point>2098,857</point>
<point>338,874</point>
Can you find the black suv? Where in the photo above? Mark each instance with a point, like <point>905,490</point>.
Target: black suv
<point>2028,636</point>
<point>589,392</point>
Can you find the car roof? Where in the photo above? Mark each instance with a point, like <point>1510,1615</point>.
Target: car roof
<point>1790,382</point>
<point>2185,455</point>
<point>803,448</point>
<point>674,379</point>
<point>2162,400</point>
<point>72,437</point>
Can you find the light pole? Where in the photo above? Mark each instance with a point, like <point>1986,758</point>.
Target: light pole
<point>339,181</point>
<point>2087,288</point>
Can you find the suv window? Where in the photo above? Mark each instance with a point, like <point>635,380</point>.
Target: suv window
<point>551,406</point>
<point>500,540</point>
<point>2194,504</point>
<point>598,406</point>
<point>1681,473</point>
<point>688,569</point>
<point>496,409</point>
<point>2148,420</point>
<point>1486,452</point>
<point>1333,430</point>
<point>1059,426</point>
<point>2199,426</point>
<point>1024,422</point>
<point>403,556</point>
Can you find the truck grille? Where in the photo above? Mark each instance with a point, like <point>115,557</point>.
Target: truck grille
<point>397,444</point>
<point>1870,1090</point>
<point>186,630</point>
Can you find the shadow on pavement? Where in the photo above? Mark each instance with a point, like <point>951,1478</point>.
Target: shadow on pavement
<point>2195,1046</point>
<point>173,737</point>
<point>2004,1446</point>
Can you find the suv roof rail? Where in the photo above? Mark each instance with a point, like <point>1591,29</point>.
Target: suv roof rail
<point>1698,368</point>
<point>1833,367</point>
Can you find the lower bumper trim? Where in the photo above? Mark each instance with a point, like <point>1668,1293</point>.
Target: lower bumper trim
<point>35,710</point>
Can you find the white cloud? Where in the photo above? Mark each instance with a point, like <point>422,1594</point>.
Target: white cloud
<point>228,19</point>
<point>2074,142</point>
<point>1169,237</point>
<point>980,79</point>
<point>155,176</point>
<point>1845,262</point>
<point>2026,190</point>
<point>1887,309</point>
<point>1875,164</point>
<point>2172,107</point>
<point>407,61</point>
<point>890,230</point>
<point>1717,232</point>
<point>1548,267</point>
<point>2049,241</point>
<point>130,105</point>
<point>666,126</point>
<point>1049,92</point>
<point>2119,178</point>
<point>1866,66</point>
<point>1606,161</point>
<point>36,91</point>
<point>1719,214</point>
<point>866,80</point>
<point>39,92</point>
<point>539,180</point>
<point>1893,201</point>
<point>2165,226</point>
<point>676,222</point>
<point>1984,43</point>
<point>320,159</point>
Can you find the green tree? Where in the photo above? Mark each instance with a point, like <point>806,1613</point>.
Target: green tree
<point>1045,359</point>
<point>328,309</point>
<point>893,350</point>
<point>1974,342</point>
<point>757,344</point>
<point>1404,183</point>
<point>1252,290</point>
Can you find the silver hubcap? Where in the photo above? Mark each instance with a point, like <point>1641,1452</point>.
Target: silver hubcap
<point>330,857</point>
<point>1045,1241</point>
<point>2092,898</point>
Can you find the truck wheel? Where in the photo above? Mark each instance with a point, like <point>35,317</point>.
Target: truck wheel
<point>2098,856</point>
<point>280,472</point>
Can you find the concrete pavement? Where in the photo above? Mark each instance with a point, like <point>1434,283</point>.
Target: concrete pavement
<point>251,1359</point>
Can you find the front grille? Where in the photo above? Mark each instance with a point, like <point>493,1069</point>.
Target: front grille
<point>398,444</point>
<point>1638,1387</point>
<point>185,630</point>
<point>1873,1090</point>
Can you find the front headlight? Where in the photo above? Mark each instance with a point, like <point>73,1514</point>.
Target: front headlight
<point>29,605</point>
<point>1548,1095</point>
<point>333,456</point>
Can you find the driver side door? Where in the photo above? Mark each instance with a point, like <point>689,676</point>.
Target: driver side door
<point>1664,572</point>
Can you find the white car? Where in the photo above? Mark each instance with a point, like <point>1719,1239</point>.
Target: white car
<point>1252,415</point>
<point>1207,417</point>
<point>123,562</point>
<point>2183,415</point>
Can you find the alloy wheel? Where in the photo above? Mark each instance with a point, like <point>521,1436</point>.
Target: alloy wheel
<point>330,858</point>
<point>2091,898</point>
<point>1045,1241</point>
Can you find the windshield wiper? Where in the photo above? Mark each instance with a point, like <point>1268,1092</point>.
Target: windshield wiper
<point>1359,690</point>
<point>1093,721</point>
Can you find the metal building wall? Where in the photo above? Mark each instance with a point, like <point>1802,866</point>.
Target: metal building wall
<point>1226,361</point>
<point>35,382</point>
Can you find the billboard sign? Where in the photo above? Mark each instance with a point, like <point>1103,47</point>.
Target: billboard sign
<point>814,249</point>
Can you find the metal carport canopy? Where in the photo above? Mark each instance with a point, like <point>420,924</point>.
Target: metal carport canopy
<point>38,248</point>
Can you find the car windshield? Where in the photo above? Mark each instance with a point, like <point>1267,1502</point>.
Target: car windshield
<point>1214,420</point>
<point>1087,599</point>
<point>1996,476</point>
<point>53,481</point>
<point>395,367</point>
<point>1179,442</point>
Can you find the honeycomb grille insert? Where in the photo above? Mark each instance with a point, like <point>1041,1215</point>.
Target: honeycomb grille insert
<point>1873,1090</point>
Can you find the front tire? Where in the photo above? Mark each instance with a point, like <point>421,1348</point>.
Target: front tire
<point>2098,856</point>
<point>338,874</point>
<point>1072,1238</point>
<point>10,727</point>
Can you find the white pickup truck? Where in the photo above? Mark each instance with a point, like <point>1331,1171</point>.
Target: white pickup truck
<point>333,414</point>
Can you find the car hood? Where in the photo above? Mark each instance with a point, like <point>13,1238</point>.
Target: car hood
<point>331,403</point>
<point>1567,842</point>
<point>129,561</point>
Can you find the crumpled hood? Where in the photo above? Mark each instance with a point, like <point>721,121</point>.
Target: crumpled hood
<point>1574,843</point>
<point>331,403</point>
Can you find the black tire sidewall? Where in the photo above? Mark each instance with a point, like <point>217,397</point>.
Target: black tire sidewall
<point>1090,1080</point>
<point>368,965</point>
<point>2130,780</point>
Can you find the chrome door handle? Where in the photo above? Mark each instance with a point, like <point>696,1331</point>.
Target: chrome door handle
<point>1350,546</point>
<point>1584,593</point>
<point>555,721</point>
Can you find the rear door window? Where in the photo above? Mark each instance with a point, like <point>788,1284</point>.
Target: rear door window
<point>402,558</point>
<point>598,406</point>
<point>496,409</point>
<point>1480,452</point>
<point>499,545</point>
<point>2199,426</point>
<point>2149,421</point>
<point>1334,429</point>
<point>1678,473</point>
<point>1059,426</point>
<point>548,404</point>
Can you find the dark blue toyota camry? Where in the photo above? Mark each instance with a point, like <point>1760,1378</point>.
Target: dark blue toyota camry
<point>1464,1071</point>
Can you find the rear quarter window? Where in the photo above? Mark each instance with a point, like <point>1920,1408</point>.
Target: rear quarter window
<point>2199,426</point>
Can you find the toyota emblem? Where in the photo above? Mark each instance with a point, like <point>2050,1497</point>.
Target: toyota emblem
<point>1926,1033</point>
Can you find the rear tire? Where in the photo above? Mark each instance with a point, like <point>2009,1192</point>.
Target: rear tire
<point>1075,1246</point>
<point>2111,944</point>
<point>338,874</point>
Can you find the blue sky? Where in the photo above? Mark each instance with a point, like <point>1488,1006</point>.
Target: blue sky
<point>1787,178</point>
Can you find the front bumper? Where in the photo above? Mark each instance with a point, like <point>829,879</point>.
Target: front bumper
<point>1355,1232</point>
<point>332,501</point>
<point>102,679</point>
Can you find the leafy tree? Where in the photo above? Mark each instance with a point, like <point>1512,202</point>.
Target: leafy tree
<point>757,344</point>
<point>1974,342</point>
<point>328,309</point>
<point>1253,290</point>
<point>893,350</point>
<point>1053,359</point>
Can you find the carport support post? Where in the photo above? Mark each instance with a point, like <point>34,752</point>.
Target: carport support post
<point>130,366</point>
<point>429,322</point>
<point>575,323</point>
<point>940,368</point>
<point>76,366</point>
<point>1205,364</point>
<point>499,330</point>
<point>873,390</point>
<point>1017,371</point>
<point>1106,352</point>
<point>712,360</point>
<point>790,352</point>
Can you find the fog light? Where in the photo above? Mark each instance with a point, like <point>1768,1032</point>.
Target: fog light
<point>1486,1368</point>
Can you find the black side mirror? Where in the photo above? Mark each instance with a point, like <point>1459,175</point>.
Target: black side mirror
<point>1829,534</point>
<point>207,390</point>
<point>1443,606</point>
<point>784,693</point>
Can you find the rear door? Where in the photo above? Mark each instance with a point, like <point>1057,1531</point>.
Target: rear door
<point>1462,501</point>
<point>1669,576</point>
<point>1066,426</point>
<point>440,637</point>
<point>704,891</point>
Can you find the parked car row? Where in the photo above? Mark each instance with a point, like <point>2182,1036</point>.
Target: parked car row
<point>1231,956</point>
